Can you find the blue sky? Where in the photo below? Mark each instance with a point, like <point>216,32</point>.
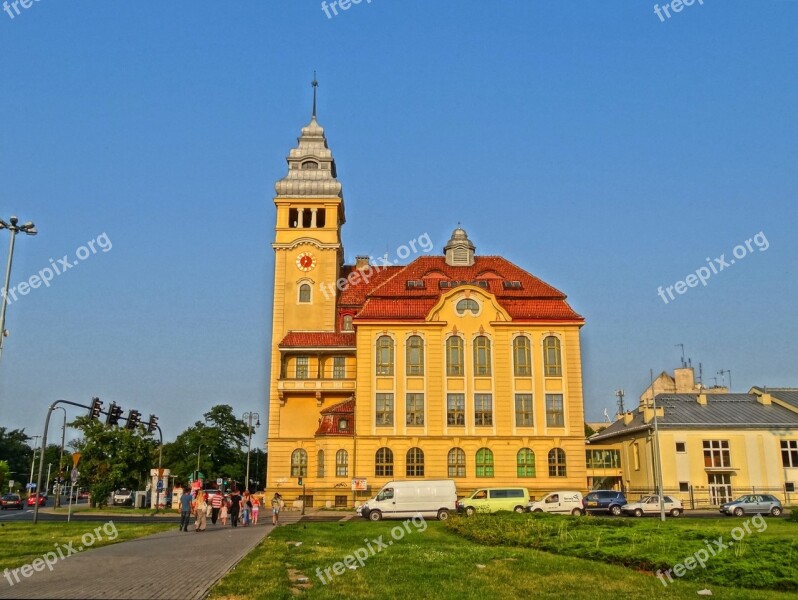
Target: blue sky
<point>603,150</point>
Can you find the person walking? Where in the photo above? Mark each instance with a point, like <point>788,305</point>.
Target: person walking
<point>246,508</point>
<point>201,510</point>
<point>255,509</point>
<point>223,512</point>
<point>216,506</point>
<point>235,507</point>
<point>277,506</point>
<point>185,508</point>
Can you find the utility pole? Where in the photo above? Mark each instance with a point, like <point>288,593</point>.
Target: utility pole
<point>33,459</point>
<point>657,457</point>
<point>29,229</point>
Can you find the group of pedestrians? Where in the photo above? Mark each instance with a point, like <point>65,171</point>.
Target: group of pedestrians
<point>240,508</point>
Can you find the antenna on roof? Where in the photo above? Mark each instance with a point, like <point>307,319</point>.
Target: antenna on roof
<point>684,364</point>
<point>701,374</point>
<point>722,373</point>
<point>620,394</point>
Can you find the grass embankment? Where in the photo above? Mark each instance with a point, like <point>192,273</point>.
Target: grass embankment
<point>24,542</point>
<point>766,557</point>
<point>436,563</point>
<point>116,510</point>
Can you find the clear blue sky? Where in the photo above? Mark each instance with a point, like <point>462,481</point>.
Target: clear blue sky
<point>601,149</point>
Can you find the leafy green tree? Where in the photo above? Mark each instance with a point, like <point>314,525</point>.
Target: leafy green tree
<point>14,449</point>
<point>5,470</point>
<point>112,457</point>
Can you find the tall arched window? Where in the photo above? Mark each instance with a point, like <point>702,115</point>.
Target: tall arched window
<point>383,463</point>
<point>384,355</point>
<point>525,461</point>
<point>552,361</point>
<point>557,462</point>
<point>454,357</point>
<point>414,355</point>
<point>299,463</point>
<point>304,293</point>
<point>415,462</point>
<point>341,463</point>
<point>457,462</point>
<point>484,462</point>
<point>481,356</point>
<point>320,465</point>
<point>522,356</point>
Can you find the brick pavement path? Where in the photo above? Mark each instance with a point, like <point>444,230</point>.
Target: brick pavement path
<point>172,565</point>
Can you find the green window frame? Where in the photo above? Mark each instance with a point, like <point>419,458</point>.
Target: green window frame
<point>484,462</point>
<point>525,462</point>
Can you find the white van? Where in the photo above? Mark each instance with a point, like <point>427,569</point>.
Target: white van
<point>402,499</point>
<point>563,502</point>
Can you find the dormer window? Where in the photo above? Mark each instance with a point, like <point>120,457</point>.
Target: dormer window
<point>511,285</point>
<point>343,424</point>
<point>310,165</point>
<point>467,305</point>
<point>415,284</point>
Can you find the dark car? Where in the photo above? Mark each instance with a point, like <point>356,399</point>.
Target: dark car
<point>608,501</point>
<point>11,501</point>
<point>42,499</point>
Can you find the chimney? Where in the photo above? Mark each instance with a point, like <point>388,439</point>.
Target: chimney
<point>702,399</point>
<point>685,380</point>
<point>765,399</point>
<point>361,262</point>
<point>628,417</point>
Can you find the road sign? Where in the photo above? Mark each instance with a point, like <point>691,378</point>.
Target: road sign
<point>74,476</point>
<point>30,486</point>
<point>359,485</point>
<point>219,481</point>
<point>159,486</point>
<point>11,484</point>
<point>75,458</point>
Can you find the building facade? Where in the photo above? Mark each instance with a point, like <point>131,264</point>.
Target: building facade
<point>453,366</point>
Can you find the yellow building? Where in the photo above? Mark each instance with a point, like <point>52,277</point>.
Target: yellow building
<point>712,447</point>
<point>452,366</point>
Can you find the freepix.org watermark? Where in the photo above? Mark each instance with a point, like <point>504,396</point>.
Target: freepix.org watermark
<point>61,552</point>
<point>58,267</point>
<point>11,7</point>
<point>674,6</point>
<point>713,267</point>
<point>713,548</point>
<point>372,547</point>
<point>331,9</point>
<point>364,274</point>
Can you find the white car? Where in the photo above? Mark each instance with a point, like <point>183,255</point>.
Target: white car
<point>649,505</point>
<point>562,502</point>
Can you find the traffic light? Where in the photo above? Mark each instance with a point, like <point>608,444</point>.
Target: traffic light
<point>133,419</point>
<point>114,414</point>
<point>152,424</point>
<point>299,481</point>
<point>96,408</point>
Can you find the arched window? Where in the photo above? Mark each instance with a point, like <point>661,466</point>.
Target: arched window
<point>347,323</point>
<point>557,462</point>
<point>384,355</point>
<point>484,462</point>
<point>454,357</point>
<point>467,305</point>
<point>299,463</point>
<point>383,463</point>
<point>525,461</point>
<point>320,465</point>
<point>552,361</point>
<point>457,463</point>
<point>341,463</point>
<point>481,356</point>
<point>415,462</point>
<point>414,350</point>
<point>304,293</point>
<point>310,165</point>
<point>522,356</point>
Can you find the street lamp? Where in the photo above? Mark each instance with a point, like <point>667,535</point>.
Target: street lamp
<point>33,461</point>
<point>60,459</point>
<point>249,417</point>
<point>28,229</point>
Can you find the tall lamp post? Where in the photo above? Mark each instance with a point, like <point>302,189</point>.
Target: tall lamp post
<point>33,461</point>
<point>28,229</point>
<point>60,459</point>
<point>249,417</point>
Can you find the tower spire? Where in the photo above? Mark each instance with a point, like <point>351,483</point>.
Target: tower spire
<point>315,85</point>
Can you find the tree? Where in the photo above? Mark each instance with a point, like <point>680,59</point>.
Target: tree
<point>112,457</point>
<point>15,451</point>
<point>4,474</point>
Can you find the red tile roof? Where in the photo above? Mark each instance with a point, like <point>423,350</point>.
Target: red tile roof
<point>332,415</point>
<point>317,339</point>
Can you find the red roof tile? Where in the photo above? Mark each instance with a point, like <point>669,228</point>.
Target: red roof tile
<point>317,339</point>
<point>332,415</point>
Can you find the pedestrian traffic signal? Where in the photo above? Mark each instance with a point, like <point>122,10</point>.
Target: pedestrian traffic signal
<point>133,419</point>
<point>299,481</point>
<point>114,414</point>
<point>152,424</point>
<point>96,408</point>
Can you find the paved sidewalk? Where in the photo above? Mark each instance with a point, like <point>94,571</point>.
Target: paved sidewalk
<point>172,565</point>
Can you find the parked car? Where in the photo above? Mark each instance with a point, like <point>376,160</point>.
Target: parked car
<point>762,504</point>
<point>84,494</point>
<point>649,505</point>
<point>491,500</point>
<point>124,497</point>
<point>405,499</point>
<point>42,499</point>
<point>11,501</point>
<point>608,501</point>
<point>562,502</point>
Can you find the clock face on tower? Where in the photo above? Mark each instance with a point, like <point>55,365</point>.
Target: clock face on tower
<point>305,261</point>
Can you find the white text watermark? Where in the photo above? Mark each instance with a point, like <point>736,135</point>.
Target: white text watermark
<point>675,6</point>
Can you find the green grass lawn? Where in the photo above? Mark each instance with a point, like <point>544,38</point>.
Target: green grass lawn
<point>764,556</point>
<point>115,510</point>
<point>439,563</point>
<point>22,543</point>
